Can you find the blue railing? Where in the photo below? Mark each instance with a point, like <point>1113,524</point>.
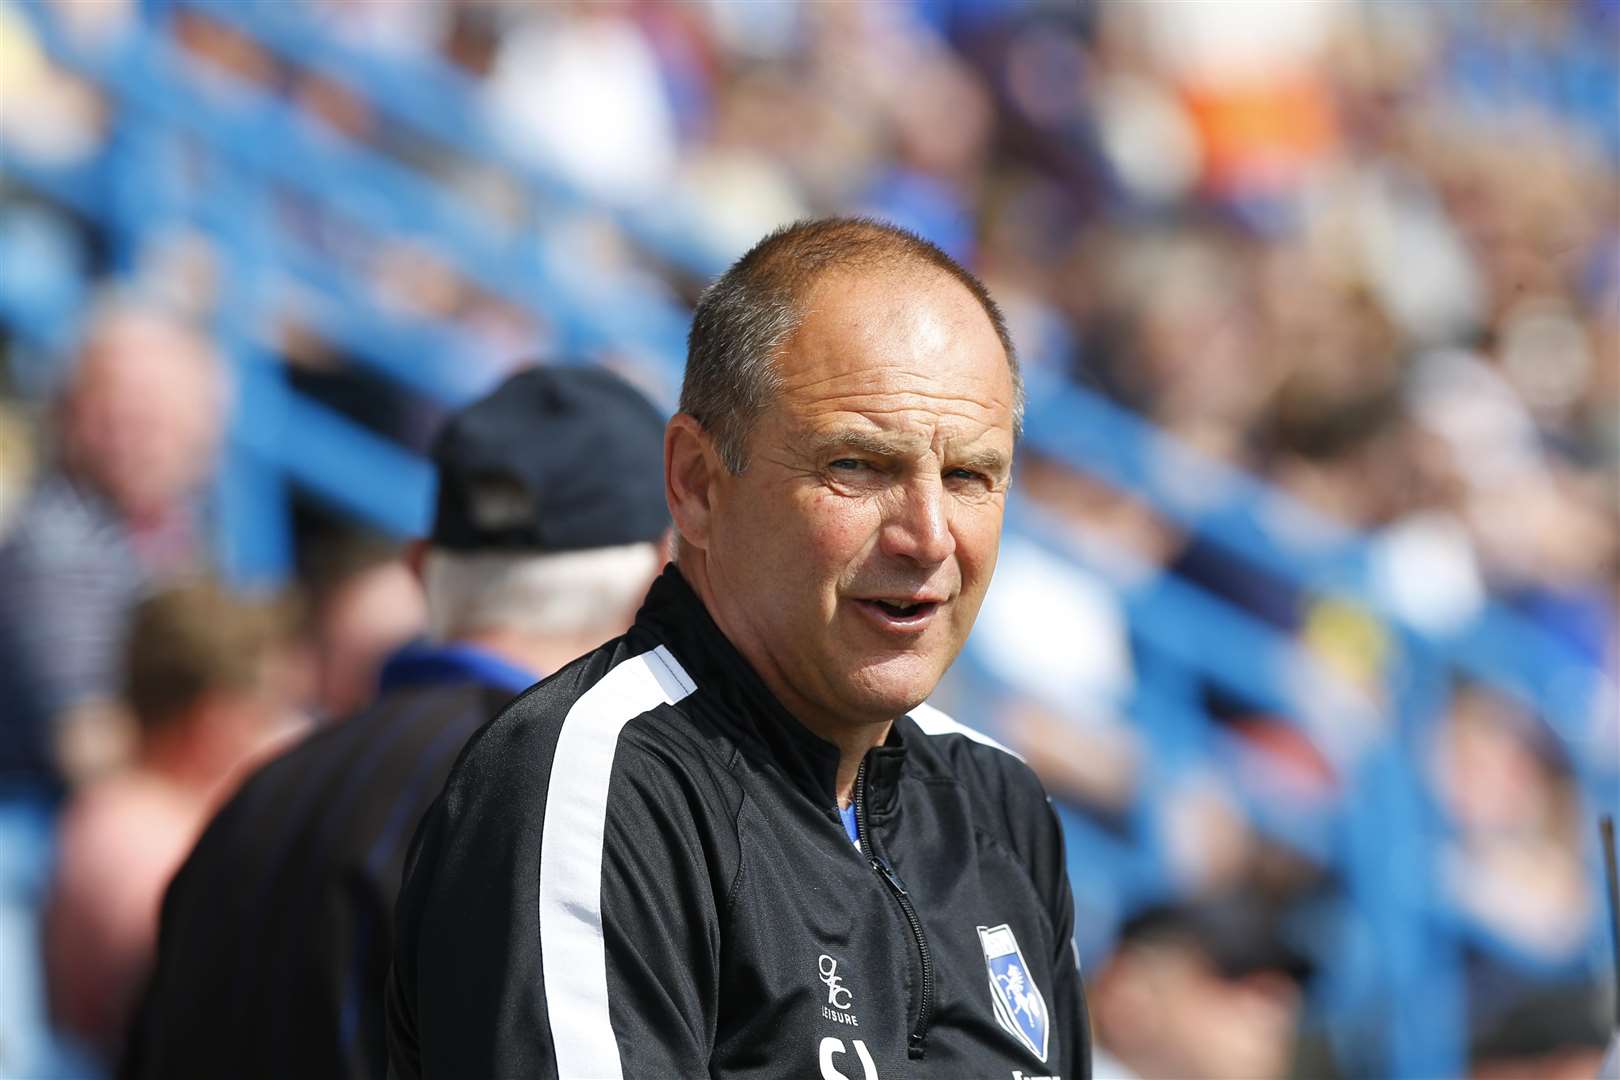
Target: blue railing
<point>259,151</point>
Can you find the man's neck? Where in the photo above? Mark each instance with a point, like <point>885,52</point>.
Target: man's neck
<point>852,749</point>
<point>198,752</point>
<point>852,738</point>
<point>539,655</point>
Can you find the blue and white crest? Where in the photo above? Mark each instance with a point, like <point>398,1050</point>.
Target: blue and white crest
<point>1019,1006</point>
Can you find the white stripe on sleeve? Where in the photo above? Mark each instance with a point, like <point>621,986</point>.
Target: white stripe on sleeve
<point>573,959</point>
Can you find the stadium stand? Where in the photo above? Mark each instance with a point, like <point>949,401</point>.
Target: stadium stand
<point>325,188</point>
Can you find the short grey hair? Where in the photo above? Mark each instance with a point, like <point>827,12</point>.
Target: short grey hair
<point>556,595</point>
<point>745,320</point>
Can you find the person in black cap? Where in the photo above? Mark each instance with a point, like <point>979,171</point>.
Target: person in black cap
<point>276,933</point>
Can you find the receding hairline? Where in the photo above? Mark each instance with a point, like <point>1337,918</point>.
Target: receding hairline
<point>917,274</point>
<point>804,288</point>
<point>747,321</point>
<point>921,276</point>
<point>855,248</point>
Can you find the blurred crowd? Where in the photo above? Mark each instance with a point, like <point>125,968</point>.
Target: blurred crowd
<point>138,687</point>
<point>1368,252</point>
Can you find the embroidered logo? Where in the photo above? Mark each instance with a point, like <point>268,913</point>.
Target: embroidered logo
<point>839,998</point>
<point>1019,1006</point>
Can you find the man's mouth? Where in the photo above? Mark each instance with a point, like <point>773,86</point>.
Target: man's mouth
<point>899,614</point>
<point>905,610</point>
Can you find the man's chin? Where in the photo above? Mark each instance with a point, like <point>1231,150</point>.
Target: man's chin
<point>896,685</point>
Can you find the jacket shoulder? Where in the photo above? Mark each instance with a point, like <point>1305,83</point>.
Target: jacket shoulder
<point>939,724</point>
<point>959,747</point>
<point>996,778</point>
<point>586,703</point>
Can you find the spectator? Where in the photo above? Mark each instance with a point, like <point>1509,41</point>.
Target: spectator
<point>1512,862</point>
<point>365,603</point>
<point>203,684</point>
<point>1197,991</point>
<point>549,530</point>
<point>114,514</point>
<point>578,91</point>
<point>1555,1032</point>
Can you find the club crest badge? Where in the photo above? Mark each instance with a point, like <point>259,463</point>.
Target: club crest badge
<point>1020,1009</point>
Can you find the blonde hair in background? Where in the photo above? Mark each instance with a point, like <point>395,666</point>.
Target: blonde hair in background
<point>560,595</point>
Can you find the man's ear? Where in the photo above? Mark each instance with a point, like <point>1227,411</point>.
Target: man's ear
<point>691,469</point>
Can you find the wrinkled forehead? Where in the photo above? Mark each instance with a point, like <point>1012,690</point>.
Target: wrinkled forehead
<point>876,297</point>
<point>901,325</point>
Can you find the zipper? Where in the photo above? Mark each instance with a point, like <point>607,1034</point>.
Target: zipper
<point>925,999</point>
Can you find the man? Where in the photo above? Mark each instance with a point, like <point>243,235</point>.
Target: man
<point>735,842</point>
<point>205,682</point>
<point>138,425</point>
<point>364,604</point>
<point>1206,988</point>
<point>277,931</point>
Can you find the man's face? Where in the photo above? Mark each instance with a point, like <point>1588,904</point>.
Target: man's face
<point>145,416</point>
<point>851,556</point>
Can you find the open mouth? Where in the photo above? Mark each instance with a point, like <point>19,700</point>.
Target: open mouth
<point>899,614</point>
<point>904,611</point>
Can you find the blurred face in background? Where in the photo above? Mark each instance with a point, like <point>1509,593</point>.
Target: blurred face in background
<point>850,557</point>
<point>1164,1009</point>
<point>364,619</point>
<point>143,417</point>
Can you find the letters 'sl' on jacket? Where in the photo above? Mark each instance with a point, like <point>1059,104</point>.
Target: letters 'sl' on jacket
<point>639,870</point>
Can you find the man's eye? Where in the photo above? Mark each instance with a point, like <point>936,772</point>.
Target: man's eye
<point>967,474</point>
<point>847,465</point>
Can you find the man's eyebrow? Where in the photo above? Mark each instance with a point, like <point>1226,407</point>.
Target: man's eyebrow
<point>866,442</point>
<point>984,459</point>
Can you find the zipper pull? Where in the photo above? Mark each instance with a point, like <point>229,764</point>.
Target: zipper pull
<point>881,865</point>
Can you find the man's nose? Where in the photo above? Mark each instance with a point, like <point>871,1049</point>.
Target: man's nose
<point>919,527</point>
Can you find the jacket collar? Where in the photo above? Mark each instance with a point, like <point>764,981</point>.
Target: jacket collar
<point>425,664</point>
<point>675,614</point>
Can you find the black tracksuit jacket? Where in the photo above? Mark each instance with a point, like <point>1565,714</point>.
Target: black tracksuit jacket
<point>639,870</point>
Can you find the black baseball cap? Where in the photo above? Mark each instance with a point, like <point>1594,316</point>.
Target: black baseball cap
<point>558,458</point>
